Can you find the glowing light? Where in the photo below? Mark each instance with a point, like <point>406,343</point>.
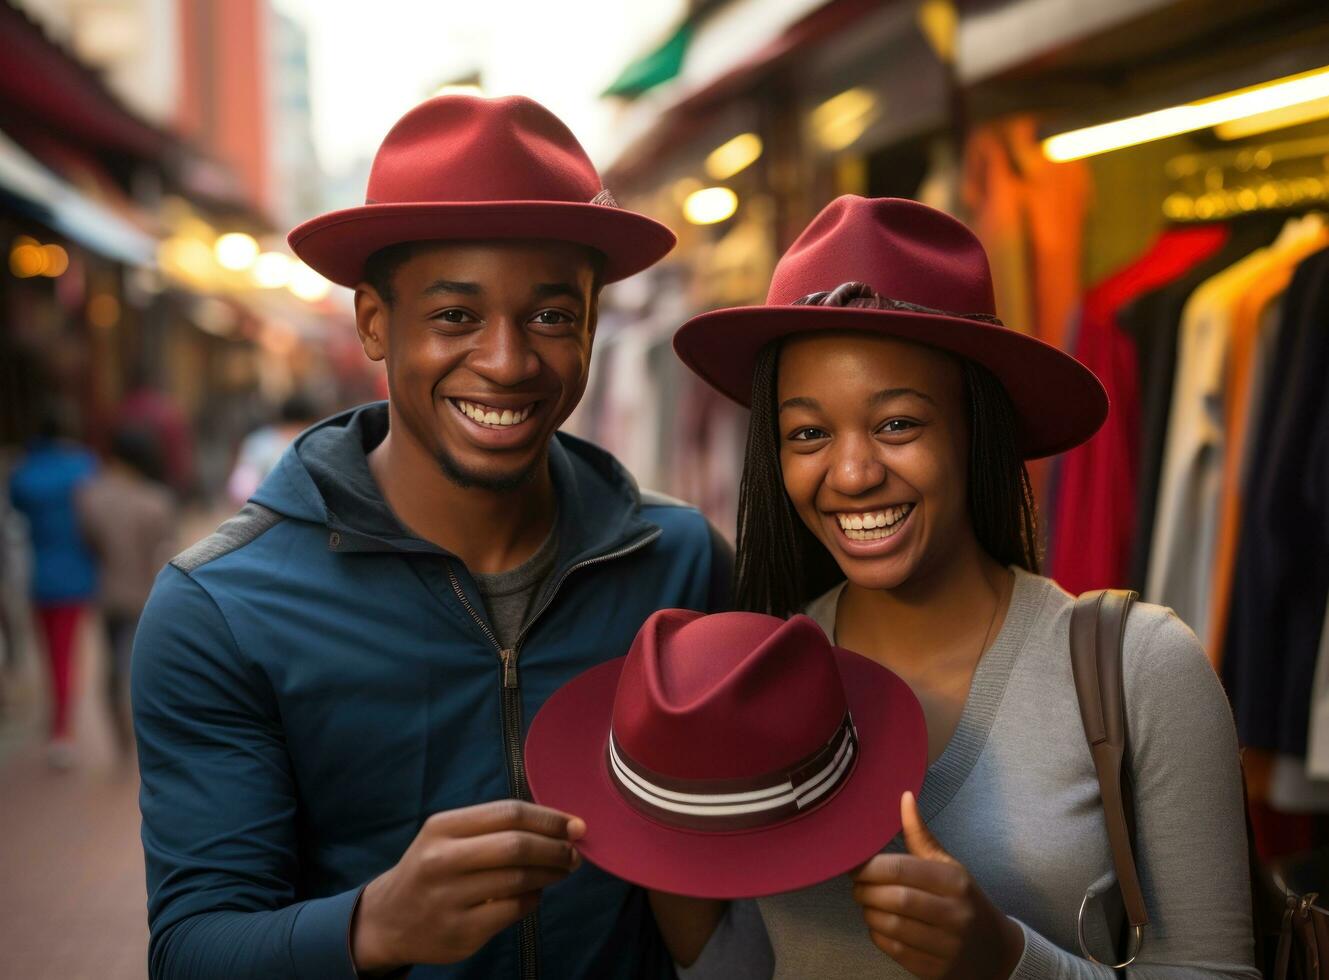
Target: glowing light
<point>56,261</point>
<point>236,251</point>
<point>733,156</point>
<point>838,122</point>
<point>103,311</point>
<point>26,258</point>
<point>186,258</point>
<point>710,205</point>
<point>307,284</point>
<point>1216,111</point>
<point>272,270</point>
<point>1293,115</point>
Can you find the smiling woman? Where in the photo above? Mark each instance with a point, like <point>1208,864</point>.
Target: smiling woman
<point>885,495</point>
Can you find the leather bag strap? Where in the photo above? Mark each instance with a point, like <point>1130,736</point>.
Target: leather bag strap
<point>1098,627</point>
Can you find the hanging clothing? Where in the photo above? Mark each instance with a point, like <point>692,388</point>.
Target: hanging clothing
<point>1029,213</point>
<point>1317,743</point>
<point>1252,329</point>
<point>1094,500</point>
<point>1282,580</point>
<point>1215,348</point>
<point>1153,321</point>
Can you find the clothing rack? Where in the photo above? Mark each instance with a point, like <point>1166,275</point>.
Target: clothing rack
<point>1239,181</point>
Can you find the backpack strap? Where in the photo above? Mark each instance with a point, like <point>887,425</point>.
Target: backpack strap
<point>1098,627</point>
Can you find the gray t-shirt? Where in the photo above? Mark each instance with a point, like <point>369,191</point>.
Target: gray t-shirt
<point>1014,798</point>
<point>508,595</point>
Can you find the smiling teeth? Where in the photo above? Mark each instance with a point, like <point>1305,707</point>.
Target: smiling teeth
<point>874,525</point>
<point>488,415</point>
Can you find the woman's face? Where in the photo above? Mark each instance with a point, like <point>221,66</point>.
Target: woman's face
<point>874,448</point>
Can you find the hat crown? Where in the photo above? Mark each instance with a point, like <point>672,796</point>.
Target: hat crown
<point>464,148</point>
<point>902,249</point>
<point>727,696</point>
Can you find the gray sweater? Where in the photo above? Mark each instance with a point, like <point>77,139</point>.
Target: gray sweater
<point>1014,798</point>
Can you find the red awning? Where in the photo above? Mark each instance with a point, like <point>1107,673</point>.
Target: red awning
<point>46,84</point>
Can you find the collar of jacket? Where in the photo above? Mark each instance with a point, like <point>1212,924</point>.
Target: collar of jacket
<point>324,478</point>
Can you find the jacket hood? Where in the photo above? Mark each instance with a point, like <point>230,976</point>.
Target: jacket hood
<point>324,478</point>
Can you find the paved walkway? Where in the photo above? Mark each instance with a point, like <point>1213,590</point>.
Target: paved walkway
<point>72,898</point>
<point>72,902</point>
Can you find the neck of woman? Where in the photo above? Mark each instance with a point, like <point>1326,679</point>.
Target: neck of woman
<point>935,618</point>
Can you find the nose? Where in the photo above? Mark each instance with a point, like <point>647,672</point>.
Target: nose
<point>855,466</point>
<point>503,354</point>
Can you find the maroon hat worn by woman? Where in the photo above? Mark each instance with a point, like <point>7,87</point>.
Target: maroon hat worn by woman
<point>460,167</point>
<point>730,755</point>
<point>932,286</point>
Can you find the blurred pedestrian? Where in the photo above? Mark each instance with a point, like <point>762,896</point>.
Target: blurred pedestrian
<point>64,574</point>
<point>129,517</point>
<point>262,448</point>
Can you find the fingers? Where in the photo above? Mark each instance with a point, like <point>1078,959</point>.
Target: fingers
<point>917,962</point>
<point>917,935</point>
<point>506,849</point>
<point>504,883</point>
<point>911,903</point>
<point>917,837</point>
<point>937,877</point>
<point>489,818</point>
<point>483,921</point>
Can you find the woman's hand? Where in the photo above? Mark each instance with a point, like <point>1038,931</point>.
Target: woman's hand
<point>925,911</point>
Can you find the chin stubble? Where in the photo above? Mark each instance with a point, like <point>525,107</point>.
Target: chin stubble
<point>468,479</point>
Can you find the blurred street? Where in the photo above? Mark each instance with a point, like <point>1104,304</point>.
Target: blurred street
<point>71,838</point>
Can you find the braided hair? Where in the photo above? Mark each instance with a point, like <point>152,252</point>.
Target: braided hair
<point>781,566</point>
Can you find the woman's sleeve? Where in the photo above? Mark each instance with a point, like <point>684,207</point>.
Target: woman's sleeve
<point>1190,825</point>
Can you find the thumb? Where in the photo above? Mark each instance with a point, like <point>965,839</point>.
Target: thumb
<point>917,837</point>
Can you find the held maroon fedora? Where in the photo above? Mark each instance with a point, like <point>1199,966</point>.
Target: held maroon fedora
<point>462,167</point>
<point>925,279</point>
<point>730,755</point>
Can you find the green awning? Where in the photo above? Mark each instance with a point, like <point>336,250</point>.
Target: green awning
<point>653,69</point>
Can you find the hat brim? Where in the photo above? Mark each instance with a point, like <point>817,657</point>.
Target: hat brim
<point>565,765</point>
<point>1059,403</point>
<point>337,244</point>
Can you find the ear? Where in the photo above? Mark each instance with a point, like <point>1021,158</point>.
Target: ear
<point>371,321</point>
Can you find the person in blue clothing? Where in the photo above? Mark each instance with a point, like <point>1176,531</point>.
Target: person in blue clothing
<point>43,488</point>
<point>331,692</point>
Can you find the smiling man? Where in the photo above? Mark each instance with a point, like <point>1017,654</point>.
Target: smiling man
<point>330,692</point>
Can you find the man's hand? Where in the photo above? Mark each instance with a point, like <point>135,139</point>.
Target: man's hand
<point>467,875</point>
<point>926,912</point>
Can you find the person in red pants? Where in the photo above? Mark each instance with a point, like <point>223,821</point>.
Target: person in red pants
<point>64,573</point>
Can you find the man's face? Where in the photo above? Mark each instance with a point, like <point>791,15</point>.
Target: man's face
<point>487,346</point>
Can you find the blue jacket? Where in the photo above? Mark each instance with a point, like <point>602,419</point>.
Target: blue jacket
<point>42,488</point>
<point>309,685</point>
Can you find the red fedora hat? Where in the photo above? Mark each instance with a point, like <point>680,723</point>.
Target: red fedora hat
<point>462,167</point>
<point>730,755</point>
<point>932,286</point>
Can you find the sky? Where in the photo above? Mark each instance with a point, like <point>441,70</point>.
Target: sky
<point>372,60</point>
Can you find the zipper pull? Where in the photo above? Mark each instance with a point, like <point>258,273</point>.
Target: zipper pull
<point>509,658</point>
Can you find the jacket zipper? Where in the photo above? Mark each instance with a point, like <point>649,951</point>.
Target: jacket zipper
<point>510,697</point>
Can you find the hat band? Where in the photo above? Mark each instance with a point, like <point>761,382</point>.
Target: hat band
<point>862,296</point>
<point>737,804</point>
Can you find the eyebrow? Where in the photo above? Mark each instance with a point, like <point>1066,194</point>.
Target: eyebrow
<point>449,286</point>
<point>885,395</point>
<point>542,290</point>
<point>545,290</point>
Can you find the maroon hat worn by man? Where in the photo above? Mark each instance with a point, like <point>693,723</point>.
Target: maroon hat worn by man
<point>460,167</point>
<point>730,755</point>
<point>922,276</point>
